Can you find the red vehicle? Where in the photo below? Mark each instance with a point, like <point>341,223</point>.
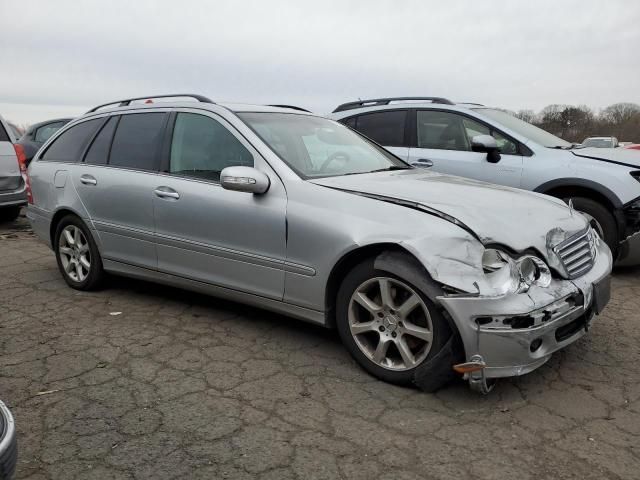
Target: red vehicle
<point>634,146</point>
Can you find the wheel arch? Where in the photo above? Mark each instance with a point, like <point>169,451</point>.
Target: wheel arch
<point>579,187</point>
<point>57,217</point>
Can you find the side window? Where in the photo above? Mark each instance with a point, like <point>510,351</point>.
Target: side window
<point>98,152</point>
<point>68,146</point>
<point>44,133</point>
<point>441,130</point>
<point>473,128</point>
<point>386,128</point>
<point>350,122</point>
<point>202,147</point>
<point>4,137</point>
<point>136,143</point>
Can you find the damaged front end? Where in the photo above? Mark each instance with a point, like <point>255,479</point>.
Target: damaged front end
<point>513,311</point>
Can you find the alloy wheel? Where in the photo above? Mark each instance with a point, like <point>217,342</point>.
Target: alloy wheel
<point>75,255</point>
<point>390,323</point>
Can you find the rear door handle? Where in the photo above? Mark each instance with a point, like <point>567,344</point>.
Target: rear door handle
<point>166,192</point>
<point>88,179</point>
<point>423,163</point>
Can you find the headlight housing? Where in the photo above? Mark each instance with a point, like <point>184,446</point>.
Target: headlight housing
<point>507,275</point>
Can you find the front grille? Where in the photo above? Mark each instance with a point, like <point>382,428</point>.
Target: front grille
<point>578,253</point>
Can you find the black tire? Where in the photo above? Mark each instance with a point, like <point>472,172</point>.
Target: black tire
<point>604,218</point>
<point>9,452</point>
<point>96,273</point>
<point>9,214</point>
<point>434,371</point>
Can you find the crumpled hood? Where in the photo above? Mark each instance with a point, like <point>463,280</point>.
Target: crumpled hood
<point>626,156</point>
<point>496,214</point>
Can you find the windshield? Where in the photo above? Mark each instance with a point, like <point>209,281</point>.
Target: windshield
<point>541,137</point>
<point>316,147</point>
<point>598,143</point>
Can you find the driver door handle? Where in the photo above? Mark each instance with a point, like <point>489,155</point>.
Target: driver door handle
<point>423,163</point>
<point>166,192</point>
<point>88,179</point>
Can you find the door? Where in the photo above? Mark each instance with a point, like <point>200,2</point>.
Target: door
<point>443,144</point>
<point>206,233</point>
<point>116,182</point>
<point>386,127</point>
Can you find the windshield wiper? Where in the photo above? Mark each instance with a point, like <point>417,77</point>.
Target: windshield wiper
<point>390,168</point>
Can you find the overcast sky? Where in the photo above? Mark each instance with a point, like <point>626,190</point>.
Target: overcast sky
<point>62,57</point>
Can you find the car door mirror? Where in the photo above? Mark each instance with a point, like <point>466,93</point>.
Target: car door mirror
<point>244,179</point>
<point>488,145</point>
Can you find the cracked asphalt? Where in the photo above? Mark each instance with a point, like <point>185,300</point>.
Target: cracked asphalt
<point>180,385</point>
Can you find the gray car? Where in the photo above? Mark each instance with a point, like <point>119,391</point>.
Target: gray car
<point>425,276</point>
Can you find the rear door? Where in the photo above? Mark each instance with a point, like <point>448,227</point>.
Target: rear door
<point>232,239</point>
<point>116,180</point>
<point>389,128</point>
<point>443,140</point>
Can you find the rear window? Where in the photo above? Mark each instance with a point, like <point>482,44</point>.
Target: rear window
<point>98,152</point>
<point>136,143</point>
<point>386,128</point>
<point>68,146</point>
<point>3,134</point>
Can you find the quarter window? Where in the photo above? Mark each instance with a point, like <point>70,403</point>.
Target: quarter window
<point>137,140</point>
<point>385,128</point>
<point>202,147</point>
<point>98,152</point>
<point>68,146</point>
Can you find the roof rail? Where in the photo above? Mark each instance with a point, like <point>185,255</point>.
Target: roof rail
<point>385,101</point>
<point>127,101</point>
<point>292,107</point>
<point>471,103</point>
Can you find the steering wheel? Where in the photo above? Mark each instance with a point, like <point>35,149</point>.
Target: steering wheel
<point>334,156</point>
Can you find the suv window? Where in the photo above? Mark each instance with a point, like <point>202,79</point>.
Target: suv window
<point>202,147</point>
<point>98,152</point>
<point>137,140</point>
<point>68,146</point>
<point>451,131</point>
<point>3,134</point>
<point>385,128</point>
<point>44,133</point>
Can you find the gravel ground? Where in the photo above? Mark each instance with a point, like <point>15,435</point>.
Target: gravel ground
<point>141,381</point>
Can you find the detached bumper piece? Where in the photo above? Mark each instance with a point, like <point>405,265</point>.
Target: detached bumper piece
<point>8,444</point>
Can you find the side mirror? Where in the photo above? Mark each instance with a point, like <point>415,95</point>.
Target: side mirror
<point>244,179</point>
<point>488,145</point>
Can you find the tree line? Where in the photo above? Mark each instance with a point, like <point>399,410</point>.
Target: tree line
<point>575,123</point>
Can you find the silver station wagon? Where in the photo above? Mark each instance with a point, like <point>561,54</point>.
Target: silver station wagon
<point>425,276</point>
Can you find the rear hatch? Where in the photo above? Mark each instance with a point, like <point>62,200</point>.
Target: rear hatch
<point>10,178</point>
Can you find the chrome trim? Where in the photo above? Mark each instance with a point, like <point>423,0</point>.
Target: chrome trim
<point>577,254</point>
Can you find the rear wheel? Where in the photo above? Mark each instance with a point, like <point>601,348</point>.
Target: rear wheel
<point>9,214</point>
<point>77,254</point>
<point>391,328</point>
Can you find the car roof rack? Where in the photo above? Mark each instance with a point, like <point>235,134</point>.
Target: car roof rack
<point>292,107</point>
<point>127,101</point>
<point>472,103</point>
<point>385,101</point>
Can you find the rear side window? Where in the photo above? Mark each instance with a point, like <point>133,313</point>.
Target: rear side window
<point>136,143</point>
<point>98,152</point>
<point>387,128</point>
<point>68,146</point>
<point>202,147</point>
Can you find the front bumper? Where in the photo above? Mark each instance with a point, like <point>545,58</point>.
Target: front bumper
<point>500,331</point>
<point>629,251</point>
<point>8,444</point>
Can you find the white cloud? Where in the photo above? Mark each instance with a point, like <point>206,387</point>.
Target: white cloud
<point>318,54</point>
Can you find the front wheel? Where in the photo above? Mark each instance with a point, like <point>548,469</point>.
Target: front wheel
<point>392,329</point>
<point>77,254</point>
<point>600,219</point>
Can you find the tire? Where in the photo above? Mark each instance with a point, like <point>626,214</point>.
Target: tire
<point>70,258</point>
<point>8,444</point>
<point>433,363</point>
<point>9,214</point>
<point>601,220</point>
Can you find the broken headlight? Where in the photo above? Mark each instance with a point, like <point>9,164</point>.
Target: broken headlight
<point>507,275</point>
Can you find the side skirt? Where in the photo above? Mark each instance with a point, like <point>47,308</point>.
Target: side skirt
<point>301,313</point>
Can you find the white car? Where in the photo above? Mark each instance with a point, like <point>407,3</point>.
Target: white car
<point>489,144</point>
<point>12,185</point>
<point>600,142</point>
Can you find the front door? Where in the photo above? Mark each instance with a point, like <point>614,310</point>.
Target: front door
<point>206,233</point>
<point>444,145</point>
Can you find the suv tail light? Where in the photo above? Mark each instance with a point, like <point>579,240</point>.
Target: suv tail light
<point>22,162</point>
